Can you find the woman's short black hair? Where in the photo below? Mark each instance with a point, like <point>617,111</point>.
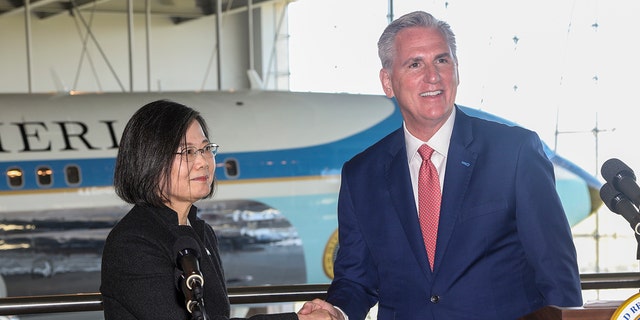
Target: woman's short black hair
<point>148,148</point>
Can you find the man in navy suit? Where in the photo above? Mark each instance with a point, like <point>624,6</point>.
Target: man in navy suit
<point>504,247</point>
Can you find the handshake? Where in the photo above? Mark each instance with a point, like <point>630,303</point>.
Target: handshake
<point>319,309</point>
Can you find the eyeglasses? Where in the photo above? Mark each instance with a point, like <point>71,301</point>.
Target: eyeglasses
<point>208,151</point>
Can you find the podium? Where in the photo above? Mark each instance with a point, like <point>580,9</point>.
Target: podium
<point>595,311</point>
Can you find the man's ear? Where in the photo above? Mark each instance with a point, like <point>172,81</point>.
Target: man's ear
<point>385,80</point>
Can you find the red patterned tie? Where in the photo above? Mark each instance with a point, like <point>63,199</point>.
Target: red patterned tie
<point>428,201</point>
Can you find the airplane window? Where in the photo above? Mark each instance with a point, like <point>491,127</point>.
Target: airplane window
<point>72,174</point>
<point>231,168</point>
<point>44,175</point>
<point>15,177</point>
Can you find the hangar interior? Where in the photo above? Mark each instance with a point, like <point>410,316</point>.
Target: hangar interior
<point>150,45</point>
<point>198,45</point>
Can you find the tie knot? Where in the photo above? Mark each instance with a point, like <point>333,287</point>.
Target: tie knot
<point>425,152</point>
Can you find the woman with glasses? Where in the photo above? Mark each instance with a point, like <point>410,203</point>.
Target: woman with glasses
<point>161,261</point>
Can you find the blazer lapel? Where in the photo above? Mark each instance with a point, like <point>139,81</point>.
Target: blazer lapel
<point>460,166</point>
<point>399,184</point>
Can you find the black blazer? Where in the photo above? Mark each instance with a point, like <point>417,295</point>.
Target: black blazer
<point>139,268</point>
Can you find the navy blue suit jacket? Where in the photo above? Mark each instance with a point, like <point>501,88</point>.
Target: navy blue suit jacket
<point>504,245</point>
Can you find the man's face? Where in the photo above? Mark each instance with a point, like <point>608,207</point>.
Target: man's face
<point>423,77</point>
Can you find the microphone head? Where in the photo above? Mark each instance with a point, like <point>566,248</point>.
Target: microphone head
<point>610,196</point>
<point>186,245</point>
<point>187,263</point>
<point>614,167</point>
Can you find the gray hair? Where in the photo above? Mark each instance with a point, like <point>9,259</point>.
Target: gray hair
<point>386,45</point>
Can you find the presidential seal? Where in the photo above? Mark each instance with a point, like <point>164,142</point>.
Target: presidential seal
<point>628,310</point>
<point>329,256</point>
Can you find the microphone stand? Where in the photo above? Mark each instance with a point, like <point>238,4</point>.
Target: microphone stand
<point>638,247</point>
<point>193,299</point>
<point>197,304</point>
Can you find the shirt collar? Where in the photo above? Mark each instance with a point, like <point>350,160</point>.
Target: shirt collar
<point>439,142</point>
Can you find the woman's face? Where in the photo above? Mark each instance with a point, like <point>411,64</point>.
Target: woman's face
<point>191,177</point>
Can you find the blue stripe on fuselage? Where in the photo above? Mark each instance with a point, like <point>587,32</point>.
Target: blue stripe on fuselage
<point>324,159</point>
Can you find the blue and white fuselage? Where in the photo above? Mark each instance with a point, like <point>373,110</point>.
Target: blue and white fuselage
<point>278,175</point>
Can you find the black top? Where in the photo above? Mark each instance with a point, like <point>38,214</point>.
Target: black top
<point>139,272</point>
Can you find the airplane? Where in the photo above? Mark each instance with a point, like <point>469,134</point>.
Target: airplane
<point>278,176</point>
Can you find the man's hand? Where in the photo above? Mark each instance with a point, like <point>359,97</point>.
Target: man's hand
<point>318,309</point>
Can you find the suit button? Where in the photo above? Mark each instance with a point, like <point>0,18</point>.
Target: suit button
<point>435,298</point>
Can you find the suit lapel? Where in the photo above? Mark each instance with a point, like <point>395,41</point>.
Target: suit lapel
<point>399,184</point>
<point>460,165</point>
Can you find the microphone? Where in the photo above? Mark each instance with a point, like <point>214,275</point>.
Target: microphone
<point>187,261</point>
<point>622,178</point>
<point>189,279</point>
<point>618,203</point>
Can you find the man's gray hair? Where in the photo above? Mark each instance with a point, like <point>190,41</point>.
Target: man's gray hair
<point>386,43</point>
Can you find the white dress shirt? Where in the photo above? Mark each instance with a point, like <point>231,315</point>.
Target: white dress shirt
<point>439,143</point>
